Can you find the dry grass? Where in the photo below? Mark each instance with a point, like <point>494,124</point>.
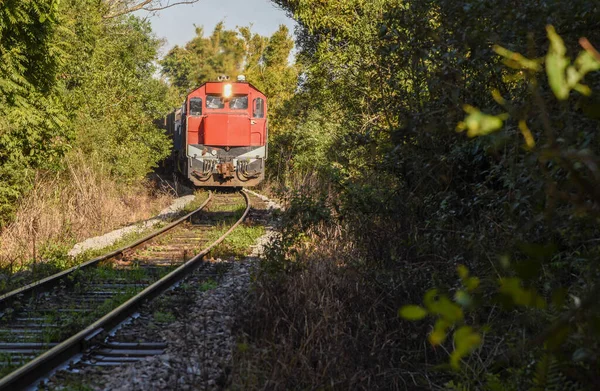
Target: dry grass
<point>66,207</point>
<point>330,324</point>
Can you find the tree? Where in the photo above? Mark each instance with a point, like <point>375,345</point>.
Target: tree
<point>109,88</point>
<point>415,198</point>
<point>32,131</point>
<point>268,66</point>
<point>73,80</point>
<point>264,61</point>
<point>116,8</point>
<point>178,66</point>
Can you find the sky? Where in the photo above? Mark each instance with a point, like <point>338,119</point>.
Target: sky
<point>176,24</point>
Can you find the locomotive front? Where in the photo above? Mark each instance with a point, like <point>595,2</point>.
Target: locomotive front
<point>220,134</point>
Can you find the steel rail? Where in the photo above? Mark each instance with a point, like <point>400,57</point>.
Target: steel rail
<point>50,281</point>
<point>53,358</point>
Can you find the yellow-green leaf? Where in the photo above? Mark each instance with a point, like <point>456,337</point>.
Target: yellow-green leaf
<point>441,305</point>
<point>463,272</point>
<point>556,65</point>
<point>517,60</point>
<point>439,334</point>
<point>586,62</point>
<point>478,123</point>
<point>527,135</point>
<point>437,337</point>
<point>472,283</point>
<point>412,312</point>
<point>520,296</point>
<point>465,341</point>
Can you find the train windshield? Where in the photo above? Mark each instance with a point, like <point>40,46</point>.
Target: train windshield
<point>214,102</point>
<point>259,108</point>
<point>195,106</point>
<point>239,102</point>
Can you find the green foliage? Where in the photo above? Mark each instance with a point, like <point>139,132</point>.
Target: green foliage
<point>465,341</point>
<point>302,147</point>
<point>263,60</point>
<point>239,243</point>
<point>208,285</point>
<point>302,215</point>
<point>111,61</point>
<point>480,124</point>
<point>562,77</point>
<point>33,132</point>
<point>524,297</point>
<point>267,66</point>
<point>204,59</point>
<point>384,85</point>
<point>412,312</point>
<point>163,317</point>
<point>70,79</point>
<point>449,315</point>
<point>178,67</point>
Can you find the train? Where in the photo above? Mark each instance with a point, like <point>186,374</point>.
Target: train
<point>220,134</point>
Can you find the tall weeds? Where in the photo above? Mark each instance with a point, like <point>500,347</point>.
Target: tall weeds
<point>77,203</point>
<point>322,316</point>
<point>328,323</point>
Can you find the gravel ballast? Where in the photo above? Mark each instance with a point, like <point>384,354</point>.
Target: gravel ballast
<point>200,345</point>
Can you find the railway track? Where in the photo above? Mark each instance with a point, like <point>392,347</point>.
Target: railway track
<point>46,323</point>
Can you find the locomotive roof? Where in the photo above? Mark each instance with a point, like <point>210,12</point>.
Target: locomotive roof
<point>225,81</point>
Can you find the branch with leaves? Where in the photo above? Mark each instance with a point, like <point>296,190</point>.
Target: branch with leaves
<point>564,77</point>
<point>117,8</point>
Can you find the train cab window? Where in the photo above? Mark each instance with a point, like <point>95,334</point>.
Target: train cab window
<point>259,108</point>
<point>196,106</point>
<point>239,102</point>
<point>214,102</point>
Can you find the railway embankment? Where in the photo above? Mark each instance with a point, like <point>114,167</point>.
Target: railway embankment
<point>57,215</point>
<point>177,206</point>
<point>54,262</point>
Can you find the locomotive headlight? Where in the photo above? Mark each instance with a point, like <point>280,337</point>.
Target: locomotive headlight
<point>227,91</point>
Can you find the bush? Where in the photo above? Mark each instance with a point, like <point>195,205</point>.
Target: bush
<point>413,200</point>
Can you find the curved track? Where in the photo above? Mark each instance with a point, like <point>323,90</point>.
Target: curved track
<point>46,323</point>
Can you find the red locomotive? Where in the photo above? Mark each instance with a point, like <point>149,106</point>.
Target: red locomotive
<point>220,134</point>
